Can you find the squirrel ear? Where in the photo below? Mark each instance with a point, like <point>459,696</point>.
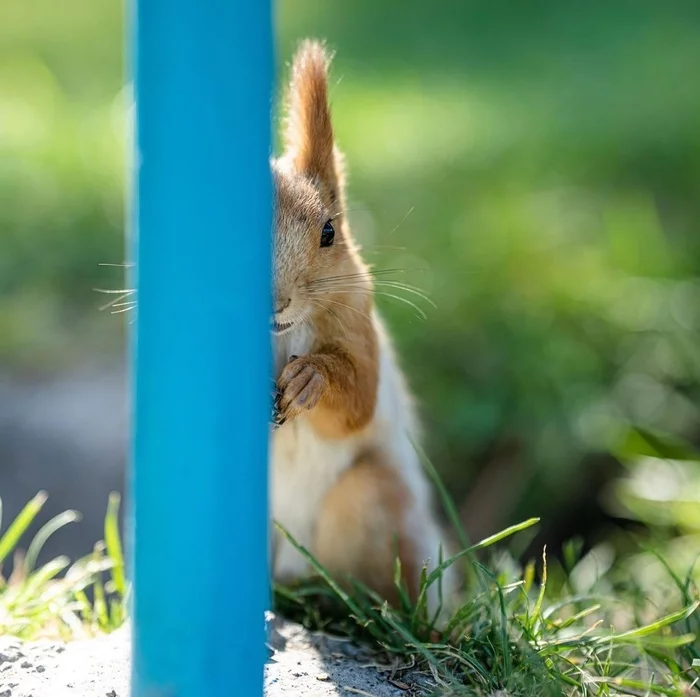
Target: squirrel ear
<point>308,133</point>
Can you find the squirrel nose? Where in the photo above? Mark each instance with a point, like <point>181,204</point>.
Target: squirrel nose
<point>281,304</point>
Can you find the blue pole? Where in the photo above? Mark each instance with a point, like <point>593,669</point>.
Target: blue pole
<point>203,78</point>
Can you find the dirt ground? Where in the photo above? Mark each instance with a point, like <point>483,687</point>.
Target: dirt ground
<point>302,664</point>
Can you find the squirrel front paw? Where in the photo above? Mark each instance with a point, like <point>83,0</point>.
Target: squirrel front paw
<point>276,418</point>
<point>300,387</point>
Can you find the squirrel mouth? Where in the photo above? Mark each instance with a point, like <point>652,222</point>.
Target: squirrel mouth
<point>280,327</point>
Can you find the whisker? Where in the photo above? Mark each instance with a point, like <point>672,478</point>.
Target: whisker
<point>370,273</point>
<point>349,210</point>
<point>388,284</point>
<point>374,249</point>
<point>349,307</point>
<point>403,220</point>
<point>342,326</point>
<point>305,317</point>
<point>318,303</point>
<point>401,284</point>
<point>115,301</point>
<point>128,291</point>
<point>365,208</point>
<point>420,314</point>
<point>378,248</point>
<point>408,289</point>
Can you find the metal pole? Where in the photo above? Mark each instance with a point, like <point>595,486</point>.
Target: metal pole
<point>202,216</point>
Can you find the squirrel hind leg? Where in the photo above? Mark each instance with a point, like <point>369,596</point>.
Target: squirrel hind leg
<point>366,519</point>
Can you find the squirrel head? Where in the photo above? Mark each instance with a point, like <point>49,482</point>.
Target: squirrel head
<point>311,240</point>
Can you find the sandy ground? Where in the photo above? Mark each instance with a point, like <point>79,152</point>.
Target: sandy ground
<point>302,664</point>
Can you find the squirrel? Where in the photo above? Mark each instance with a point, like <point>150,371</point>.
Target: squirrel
<point>346,480</point>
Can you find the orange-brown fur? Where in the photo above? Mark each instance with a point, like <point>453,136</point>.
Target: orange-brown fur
<point>336,387</point>
<point>330,391</point>
<point>308,134</point>
<point>364,509</point>
<point>339,377</point>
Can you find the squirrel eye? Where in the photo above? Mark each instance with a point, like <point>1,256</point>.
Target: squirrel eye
<point>327,234</point>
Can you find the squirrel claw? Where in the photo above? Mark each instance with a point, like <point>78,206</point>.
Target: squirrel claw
<point>276,419</point>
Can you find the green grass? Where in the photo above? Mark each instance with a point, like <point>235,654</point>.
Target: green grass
<point>582,627</point>
<point>53,600</point>
<point>529,631</point>
<point>512,634</point>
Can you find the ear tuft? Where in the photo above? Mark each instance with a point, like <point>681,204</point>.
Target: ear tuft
<point>308,134</point>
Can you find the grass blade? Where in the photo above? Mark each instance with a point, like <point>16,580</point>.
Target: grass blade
<point>447,501</point>
<point>48,529</point>
<point>653,627</point>
<point>512,530</point>
<point>20,524</point>
<point>543,588</point>
<point>352,605</point>
<point>113,544</point>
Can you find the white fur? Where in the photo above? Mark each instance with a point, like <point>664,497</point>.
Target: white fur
<point>304,467</point>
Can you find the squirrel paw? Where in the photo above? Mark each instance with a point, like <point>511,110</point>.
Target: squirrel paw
<point>301,386</point>
<point>276,417</point>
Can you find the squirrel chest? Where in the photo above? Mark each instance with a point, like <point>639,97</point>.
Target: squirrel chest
<point>303,468</point>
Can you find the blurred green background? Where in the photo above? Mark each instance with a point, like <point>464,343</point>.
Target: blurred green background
<point>534,166</point>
